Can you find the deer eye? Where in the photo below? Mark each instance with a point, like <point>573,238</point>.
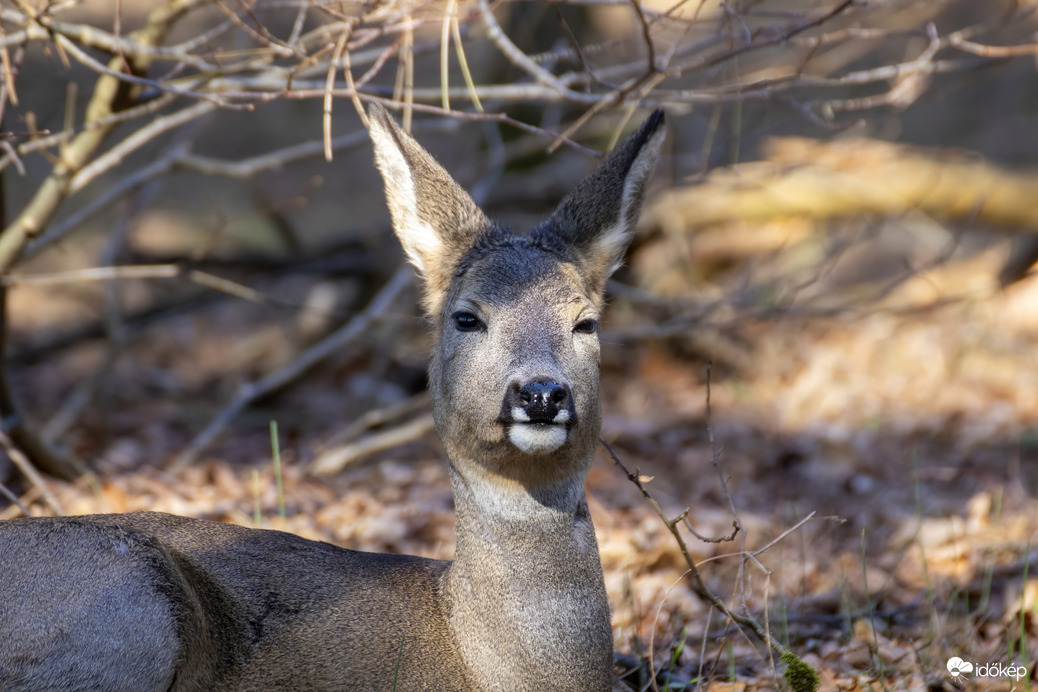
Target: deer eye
<point>586,327</point>
<point>466,322</point>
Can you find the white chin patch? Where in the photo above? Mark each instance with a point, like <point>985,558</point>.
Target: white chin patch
<point>537,439</point>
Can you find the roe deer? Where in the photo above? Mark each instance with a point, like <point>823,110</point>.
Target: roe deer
<point>153,601</point>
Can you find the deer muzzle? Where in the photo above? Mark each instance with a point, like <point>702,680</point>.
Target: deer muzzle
<point>538,415</point>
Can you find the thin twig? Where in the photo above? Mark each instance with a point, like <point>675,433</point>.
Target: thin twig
<point>376,417</point>
<point>57,138</point>
<point>83,58</point>
<point>180,157</point>
<point>29,471</point>
<point>698,585</point>
<point>13,499</point>
<point>120,151</point>
<point>517,57</point>
<point>326,117</point>
<point>716,454</point>
<point>334,343</point>
<point>110,96</point>
<point>650,45</point>
<point>337,458</point>
<point>778,539</point>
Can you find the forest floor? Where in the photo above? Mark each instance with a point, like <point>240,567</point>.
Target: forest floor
<point>881,464</point>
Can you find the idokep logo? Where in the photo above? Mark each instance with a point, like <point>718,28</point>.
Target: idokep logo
<point>959,668</point>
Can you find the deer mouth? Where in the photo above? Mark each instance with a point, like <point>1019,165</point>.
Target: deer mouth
<point>538,415</point>
<point>538,435</point>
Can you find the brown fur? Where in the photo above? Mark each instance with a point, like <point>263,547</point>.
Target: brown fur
<point>152,601</point>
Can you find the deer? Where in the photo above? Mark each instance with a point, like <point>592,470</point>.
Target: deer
<point>151,601</point>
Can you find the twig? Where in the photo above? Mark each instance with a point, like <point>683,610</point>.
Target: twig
<point>445,52</point>
<point>98,39</point>
<point>347,70</point>
<point>326,117</point>
<point>698,585</point>
<point>992,51</point>
<point>111,273</point>
<point>110,96</point>
<point>377,417</point>
<point>515,56</point>
<point>181,157</point>
<point>778,539</point>
<point>14,423</point>
<point>251,391</point>
<point>142,136</point>
<point>769,38</point>
<point>650,45</point>
<point>463,62</point>
<point>337,458</point>
<point>139,271</point>
<point>7,69</point>
<point>493,117</point>
<point>708,539</point>
<point>146,108</point>
<point>261,32</point>
<point>87,61</point>
<point>716,455</point>
<point>13,499</point>
<point>29,471</point>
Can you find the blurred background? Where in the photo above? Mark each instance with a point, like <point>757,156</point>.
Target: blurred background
<point>825,331</point>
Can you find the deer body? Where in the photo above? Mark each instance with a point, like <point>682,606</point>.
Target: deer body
<point>151,601</point>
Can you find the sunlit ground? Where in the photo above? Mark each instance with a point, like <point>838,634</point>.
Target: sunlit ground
<point>904,434</point>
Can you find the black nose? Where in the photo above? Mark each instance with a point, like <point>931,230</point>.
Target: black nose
<point>542,401</point>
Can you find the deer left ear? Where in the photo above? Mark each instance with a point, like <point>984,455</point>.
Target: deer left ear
<point>434,218</point>
<point>597,219</point>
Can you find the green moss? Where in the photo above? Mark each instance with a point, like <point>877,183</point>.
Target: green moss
<point>798,675</point>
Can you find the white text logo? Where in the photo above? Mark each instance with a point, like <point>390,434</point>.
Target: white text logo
<point>959,668</point>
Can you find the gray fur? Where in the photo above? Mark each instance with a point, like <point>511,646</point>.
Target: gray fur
<point>151,601</point>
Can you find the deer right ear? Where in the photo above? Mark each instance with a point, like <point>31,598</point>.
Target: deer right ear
<point>597,219</point>
<point>434,218</point>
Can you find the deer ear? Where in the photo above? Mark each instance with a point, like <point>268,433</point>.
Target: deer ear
<point>597,219</point>
<point>434,218</point>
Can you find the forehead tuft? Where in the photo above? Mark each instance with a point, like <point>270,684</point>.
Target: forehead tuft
<point>504,267</point>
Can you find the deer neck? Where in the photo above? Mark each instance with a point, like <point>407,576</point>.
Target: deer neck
<point>525,597</point>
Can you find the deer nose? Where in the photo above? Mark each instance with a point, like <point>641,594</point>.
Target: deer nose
<point>542,401</point>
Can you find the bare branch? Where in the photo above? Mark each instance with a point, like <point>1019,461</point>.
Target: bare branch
<point>119,152</point>
<point>29,471</point>
<point>337,458</point>
<point>518,58</point>
<point>14,499</point>
<point>332,344</point>
<point>993,51</point>
<point>698,585</point>
<point>110,96</point>
<point>39,143</point>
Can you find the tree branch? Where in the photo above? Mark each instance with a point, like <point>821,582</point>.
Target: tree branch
<point>334,343</point>
<point>110,96</point>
